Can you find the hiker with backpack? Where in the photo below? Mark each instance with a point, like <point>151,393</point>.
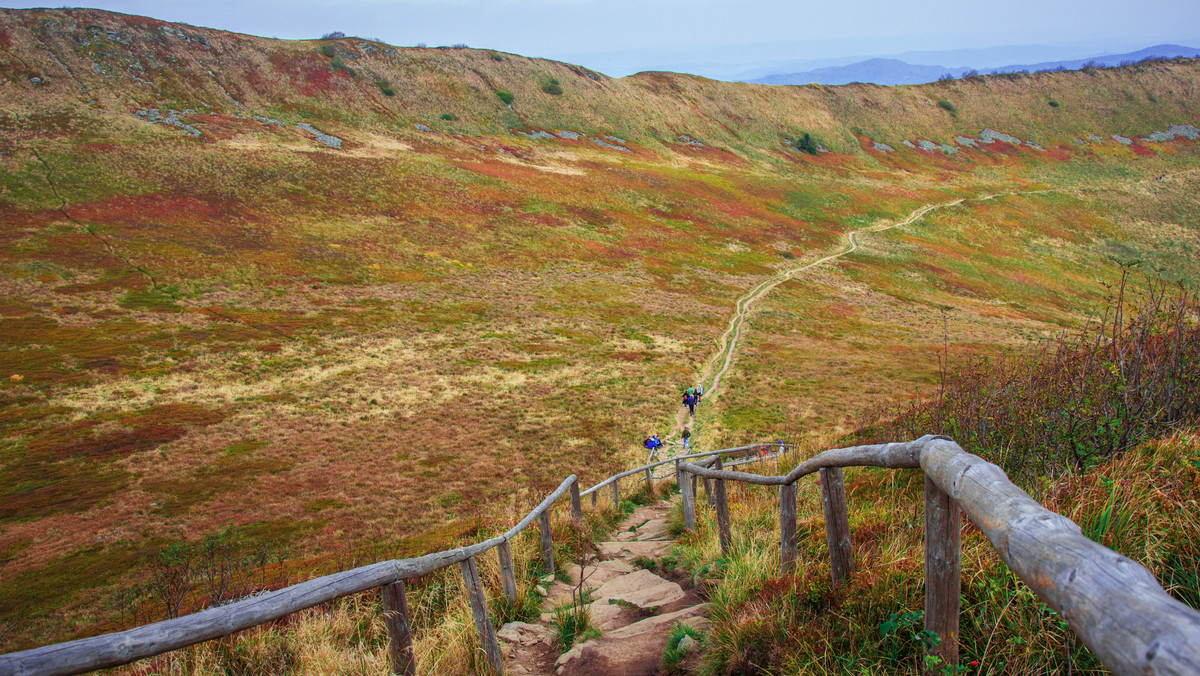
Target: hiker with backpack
<point>687,438</point>
<point>699,392</point>
<point>689,400</point>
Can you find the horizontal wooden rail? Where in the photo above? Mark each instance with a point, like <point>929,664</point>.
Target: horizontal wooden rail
<point>115,649</point>
<point>652,465</point>
<point>1112,603</point>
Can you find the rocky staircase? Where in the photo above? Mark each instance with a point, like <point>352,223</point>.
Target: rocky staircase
<point>634,607</point>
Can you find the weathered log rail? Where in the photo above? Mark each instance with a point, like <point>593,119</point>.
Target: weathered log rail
<point>1112,603</point>
<point>115,649</point>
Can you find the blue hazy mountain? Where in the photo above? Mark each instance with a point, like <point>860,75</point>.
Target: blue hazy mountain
<point>897,72</point>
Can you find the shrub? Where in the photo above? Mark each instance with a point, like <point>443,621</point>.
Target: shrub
<point>385,87</point>
<point>1132,376</point>
<point>505,96</point>
<point>552,87</point>
<point>449,117</point>
<point>334,35</point>
<point>948,107</point>
<point>946,77</point>
<point>1053,103</point>
<point>329,50</point>
<point>496,56</point>
<point>806,144</point>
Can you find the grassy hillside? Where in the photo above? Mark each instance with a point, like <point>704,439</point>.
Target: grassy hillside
<point>217,321</point>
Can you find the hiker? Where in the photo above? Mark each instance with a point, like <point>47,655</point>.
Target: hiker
<point>656,442</point>
<point>648,442</point>
<point>687,437</point>
<point>699,392</point>
<point>689,392</point>
<point>689,400</point>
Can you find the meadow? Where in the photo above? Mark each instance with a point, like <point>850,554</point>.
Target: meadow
<point>326,355</point>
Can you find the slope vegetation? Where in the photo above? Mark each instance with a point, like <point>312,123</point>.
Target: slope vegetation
<point>318,302</point>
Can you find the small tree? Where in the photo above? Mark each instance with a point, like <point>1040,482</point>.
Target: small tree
<point>335,35</point>
<point>505,96</point>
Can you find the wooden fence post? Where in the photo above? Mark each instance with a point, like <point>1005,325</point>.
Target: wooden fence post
<point>616,494</point>
<point>576,506</point>
<point>708,492</point>
<point>547,543</point>
<point>943,573</point>
<point>688,488</point>
<point>395,617</point>
<point>726,536</point>
<point>678,477</point>
<point>837,524</point>
<point>787,528</point>
<point>649,481</point>
<point>595,494</point>
<point>506,571</point>
<point>483,623</point>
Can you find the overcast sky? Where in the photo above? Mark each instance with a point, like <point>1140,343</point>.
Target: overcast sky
<point>714,37</point>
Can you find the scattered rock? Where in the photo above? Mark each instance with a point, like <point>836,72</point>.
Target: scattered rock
<point>268,120</point>
<point>152,116</point>
<point>569,135</point>
<point>615,139</point>
<point>537,134</point>
<point>930,146</point>
<point>687,644</point>
<point>1122,140</point>
<point>1035,146</point>
<point>541,591</point>
<point>1093,137</point>
<point>605,144</point>
<point>883,147</point>
<point>422,127</point>
<point>1187,131</point>
<point>966,141</point>
<point>522,633</point>
<point>35,80</point>
<point>686,140</point>
<point>546,579</point>
<point>991,136</point>
<point>909,144</point>
<point>320,136</point>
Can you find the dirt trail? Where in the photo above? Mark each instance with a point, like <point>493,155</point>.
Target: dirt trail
<point>634,607</point>
<point>720,362</point>
<point>728,341</point>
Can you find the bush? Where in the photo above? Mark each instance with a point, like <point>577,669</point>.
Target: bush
<point>1132,376</point>
<point>335,35</point>
<point>552,87</point>
<point>806,144</point>
<point>385,87</point>
<point>1053,103</point>
<point>329,50</point>
<point>449,117</point>
<point>948,107</point>
<point>505,96</point>
<point>496,56</point>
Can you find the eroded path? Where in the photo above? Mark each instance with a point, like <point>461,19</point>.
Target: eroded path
<point>633,606</point>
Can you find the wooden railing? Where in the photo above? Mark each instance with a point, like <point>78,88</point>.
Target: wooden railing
<point>115,649</point>
<point>1112,603</point>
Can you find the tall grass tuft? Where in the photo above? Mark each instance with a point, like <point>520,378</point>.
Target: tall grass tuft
<point>1131,376</point>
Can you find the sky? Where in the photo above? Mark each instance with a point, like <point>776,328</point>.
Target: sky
<point>717,38</point>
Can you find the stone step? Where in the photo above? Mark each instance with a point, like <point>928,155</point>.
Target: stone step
<point>634,650</point>
<point>628,551</point>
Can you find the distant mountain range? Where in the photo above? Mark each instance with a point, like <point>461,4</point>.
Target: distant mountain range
<point>897,72</point>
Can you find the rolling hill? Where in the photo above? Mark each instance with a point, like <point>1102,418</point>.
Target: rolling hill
<point>334,300</point>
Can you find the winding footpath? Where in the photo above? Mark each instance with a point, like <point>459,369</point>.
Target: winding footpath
<point>727,343</point>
